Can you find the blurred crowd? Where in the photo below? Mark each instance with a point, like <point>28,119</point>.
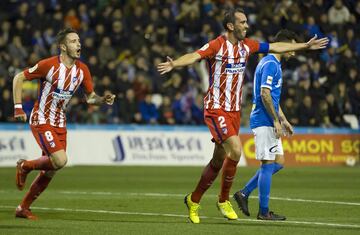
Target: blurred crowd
<point>124,40</point>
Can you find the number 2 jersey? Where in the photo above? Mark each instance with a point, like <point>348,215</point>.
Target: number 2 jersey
<point>226,66</point>
<point>56,86</point>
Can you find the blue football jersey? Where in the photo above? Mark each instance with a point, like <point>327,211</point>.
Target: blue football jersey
<point>268,74</point>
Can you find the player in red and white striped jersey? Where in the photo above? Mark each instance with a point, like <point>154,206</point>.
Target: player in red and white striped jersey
<point>227,56</point>
<point>58,78</point>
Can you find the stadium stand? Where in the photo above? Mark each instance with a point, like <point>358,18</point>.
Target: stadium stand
<point>123,41</point>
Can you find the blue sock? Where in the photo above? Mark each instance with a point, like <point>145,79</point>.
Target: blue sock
<point>264,183</point>
<point>277,167</point>
<point>252,184</point>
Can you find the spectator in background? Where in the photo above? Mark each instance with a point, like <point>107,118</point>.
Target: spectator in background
<point>129,109</point>
<point>346,61</point>
<point>323,117</point>
<point>106,52</point>
<point>16,48</point>
<point>6,106</point>
<point>312,28</point>
<point>141,87</point>
<point>290,108</point>
<point>354,95</point>
<point>307,112</point>
<point>149,112</point>
<point>334,111</point>
<point>166,115</point>
<point>197,110</point>
<point>338,14</point>
<point>71,19</point>
<point>177,109</point>
<point>126,24</point>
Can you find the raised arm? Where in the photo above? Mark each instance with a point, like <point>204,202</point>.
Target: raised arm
<point>184,60</point>
<point>312,44</point>
<point>19,114</point>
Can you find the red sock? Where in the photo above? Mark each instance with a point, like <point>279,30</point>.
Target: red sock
<point>229,170</point>
<point>42,163</point>
<point>37,187</point>
<point>207,178</point>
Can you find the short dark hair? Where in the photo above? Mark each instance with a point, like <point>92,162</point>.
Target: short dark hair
<point>60,37</point>
<point>285,35</point>
<point>229,16</point>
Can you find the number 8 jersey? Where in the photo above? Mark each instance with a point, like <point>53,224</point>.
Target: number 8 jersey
<point>56,85</point>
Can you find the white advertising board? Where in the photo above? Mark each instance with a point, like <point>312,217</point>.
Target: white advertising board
<point>116,147</point>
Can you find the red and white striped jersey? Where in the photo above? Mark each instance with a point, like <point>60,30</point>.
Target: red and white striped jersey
<point>226,66</point>
<point>57,84</point>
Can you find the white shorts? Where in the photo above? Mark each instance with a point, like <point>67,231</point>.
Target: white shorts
<point>266,144</point>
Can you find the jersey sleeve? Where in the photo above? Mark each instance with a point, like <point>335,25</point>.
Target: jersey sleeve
<point>269,71</point>
<point>255,46</point>
<point>87,83</point>
<point>209,49</point>
<point>37,71</point>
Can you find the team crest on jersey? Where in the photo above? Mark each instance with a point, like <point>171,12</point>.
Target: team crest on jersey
<point>242,53</point>
<point>224,130</point>
<point>52,144</point>
<point>32,69</point>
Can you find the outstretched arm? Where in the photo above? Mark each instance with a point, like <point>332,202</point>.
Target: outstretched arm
<point>184,60</point>
<point>19,114</point>
<point>312,44</point>
<point>93,98</point>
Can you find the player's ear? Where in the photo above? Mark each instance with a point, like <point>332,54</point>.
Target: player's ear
<point>230,26</point>
<point>62,47</point>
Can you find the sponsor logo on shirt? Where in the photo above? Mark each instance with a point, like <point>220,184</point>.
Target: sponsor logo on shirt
<point>61,94</point>
<point>235,68</point>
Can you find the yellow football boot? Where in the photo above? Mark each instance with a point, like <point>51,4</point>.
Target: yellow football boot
<point>226,209</point>
<point>193,208</point>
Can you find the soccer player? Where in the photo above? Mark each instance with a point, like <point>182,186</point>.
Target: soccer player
<point>58,78</point>
<point>267,121</point>
<point>226,56</point>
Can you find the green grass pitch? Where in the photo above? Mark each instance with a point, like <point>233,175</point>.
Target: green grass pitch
<point>149,200</point>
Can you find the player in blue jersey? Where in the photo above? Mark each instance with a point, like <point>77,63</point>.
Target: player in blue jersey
<point>268,124</point>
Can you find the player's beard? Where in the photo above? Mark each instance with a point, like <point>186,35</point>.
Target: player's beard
<point>239,34</point>
<point>74,54</point>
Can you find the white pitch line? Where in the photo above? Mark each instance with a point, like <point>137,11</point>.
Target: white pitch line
<point>184,216</point>
<point>212,195</point>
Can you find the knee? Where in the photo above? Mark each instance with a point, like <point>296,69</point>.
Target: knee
<point>235,154</point>
<point>59,162</point>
